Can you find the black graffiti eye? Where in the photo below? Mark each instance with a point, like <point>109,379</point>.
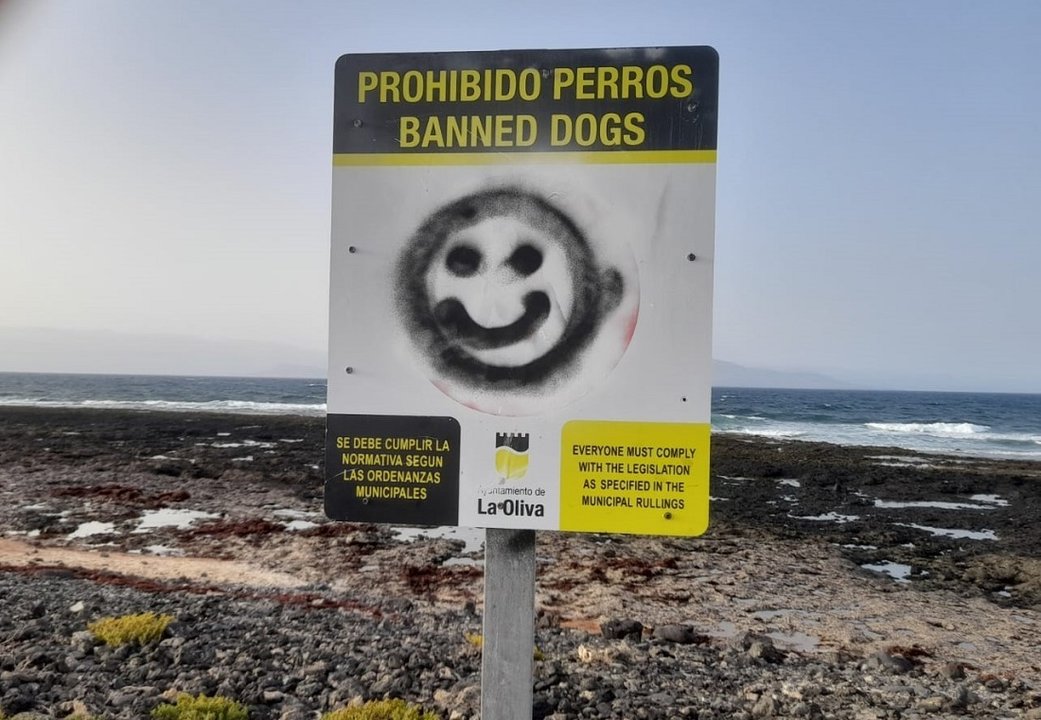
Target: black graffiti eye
<point>463,261</point>
<point>525,260</point>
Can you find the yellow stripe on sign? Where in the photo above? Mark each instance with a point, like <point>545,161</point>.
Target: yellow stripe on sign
<point>624,157</point>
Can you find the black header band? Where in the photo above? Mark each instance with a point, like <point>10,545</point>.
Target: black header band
<point>527,101</point>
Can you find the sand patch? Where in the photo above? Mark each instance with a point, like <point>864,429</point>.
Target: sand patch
<point>157,567</point>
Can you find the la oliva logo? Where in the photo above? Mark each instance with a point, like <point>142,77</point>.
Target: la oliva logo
<point>511,455</point>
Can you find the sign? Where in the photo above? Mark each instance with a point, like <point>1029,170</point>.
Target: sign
<point>521,289</point>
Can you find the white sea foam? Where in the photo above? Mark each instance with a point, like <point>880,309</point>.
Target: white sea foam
<point>242,407</point>
<point>466,562</point>
<point>827,517</point>
<point>992,499</point>
<point>937,504</point>
<point>244,443</point>
<point>170,517</point>
<point>939,429</point>
<point>774,432</point>
<point>295,514</point>
<point>916,466</point>
<point>92,528</point>
<point>472,537</point>
<point>897,571</point>
<point>954,533</point>
<point>1023,438</point>
<point>962,438</point>
<point>897,460</point>
<point>965,432</point>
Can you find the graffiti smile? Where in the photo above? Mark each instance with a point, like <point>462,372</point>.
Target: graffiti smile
<point>501,291</point>
<point>452,316</point>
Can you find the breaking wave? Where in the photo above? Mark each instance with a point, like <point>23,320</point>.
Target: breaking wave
<point>939,429</point>
<point>238,407</point>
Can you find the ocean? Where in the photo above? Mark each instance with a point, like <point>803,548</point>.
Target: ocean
<point>971,424</point>
<point>998,425</point>
<point>261,396</point>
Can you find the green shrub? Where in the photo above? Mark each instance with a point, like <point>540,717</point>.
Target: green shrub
<point>139,629</point>
<point>382,710</point>
<point>201,707</point>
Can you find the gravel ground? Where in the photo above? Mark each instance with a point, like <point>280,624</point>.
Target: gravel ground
<point>771,614</point>
<point>290,659</point>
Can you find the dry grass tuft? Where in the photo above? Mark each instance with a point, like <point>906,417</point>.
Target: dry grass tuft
<point>201,707</point>
<point>382,710</point>
<point>139,629</point>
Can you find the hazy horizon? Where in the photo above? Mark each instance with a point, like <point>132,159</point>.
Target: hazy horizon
<point>95,352</point>
<point>167,172</point>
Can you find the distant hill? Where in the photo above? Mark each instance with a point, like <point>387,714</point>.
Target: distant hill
<point>49,350</point>
<point>52,350</point>
<point>728,374</point>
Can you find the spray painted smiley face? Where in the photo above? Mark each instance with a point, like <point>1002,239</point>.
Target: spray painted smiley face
<point>501,290</point>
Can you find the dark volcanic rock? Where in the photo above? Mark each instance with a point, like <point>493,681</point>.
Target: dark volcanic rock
<point>682,634</point>
<point>298,654</point>
<point>618,629</point>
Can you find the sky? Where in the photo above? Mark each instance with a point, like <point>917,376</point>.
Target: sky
<point>165,171</point>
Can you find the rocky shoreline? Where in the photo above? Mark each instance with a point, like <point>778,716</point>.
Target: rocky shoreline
<point>834,582</point>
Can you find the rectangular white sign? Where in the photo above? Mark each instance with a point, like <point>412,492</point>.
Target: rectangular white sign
<point>521,289</point>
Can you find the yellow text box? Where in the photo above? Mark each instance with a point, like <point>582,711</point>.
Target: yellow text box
<point>634,477</point>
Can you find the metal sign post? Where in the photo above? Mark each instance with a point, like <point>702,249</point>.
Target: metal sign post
<point>509,624</point>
